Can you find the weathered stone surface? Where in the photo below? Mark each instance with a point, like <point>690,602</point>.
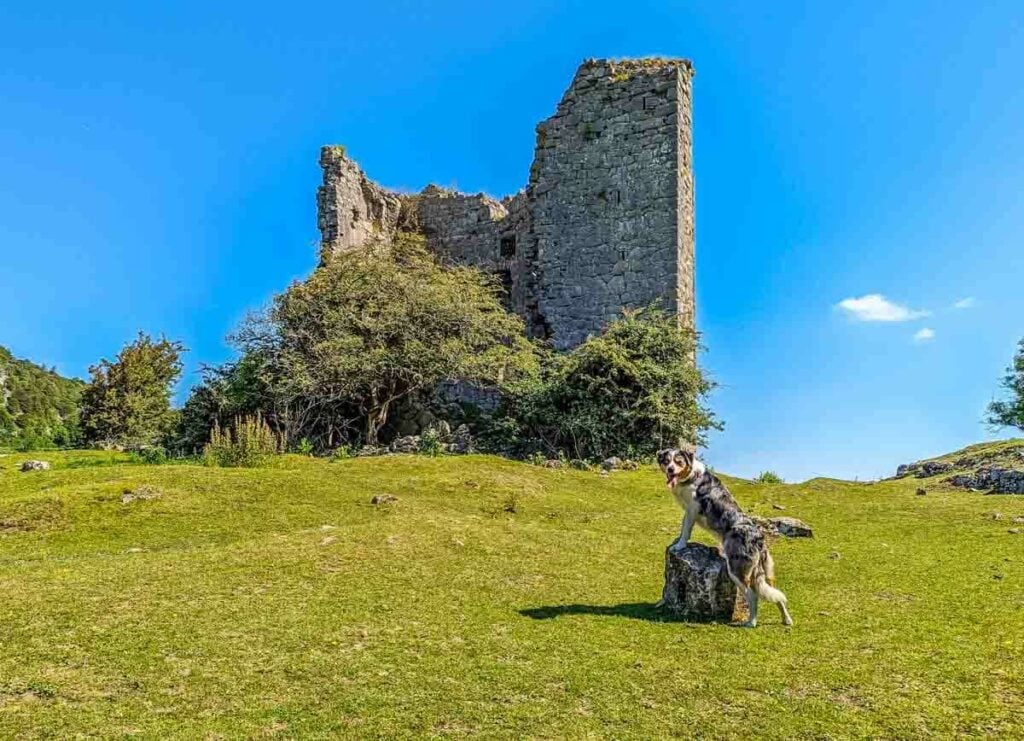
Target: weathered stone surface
<point>923,469</point>
<point>994,480</point>
<point>370,450</point>
<point>406,444</point>
<point>605,221</point>
<point>788,527</point>
<point>461,440</point>
<point>697,584</point>
<point>610,464</point>
<point>35,466</point>
<point>380,499</point>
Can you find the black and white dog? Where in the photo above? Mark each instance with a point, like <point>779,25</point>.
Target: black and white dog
<point>706,501</point>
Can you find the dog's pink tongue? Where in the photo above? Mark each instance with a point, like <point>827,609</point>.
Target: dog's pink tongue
<point>672,481</point>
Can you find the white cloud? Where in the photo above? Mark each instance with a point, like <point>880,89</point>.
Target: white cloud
<point>877,308</point>
<point>964,303</point>
<point>925,334</point>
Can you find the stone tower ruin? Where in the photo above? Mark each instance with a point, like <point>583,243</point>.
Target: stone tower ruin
<point>606,220</point>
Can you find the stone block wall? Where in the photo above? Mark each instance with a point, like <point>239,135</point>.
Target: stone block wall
<point>606,220</point>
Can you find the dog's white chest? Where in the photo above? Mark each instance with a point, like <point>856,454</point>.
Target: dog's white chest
<point>684,496</point>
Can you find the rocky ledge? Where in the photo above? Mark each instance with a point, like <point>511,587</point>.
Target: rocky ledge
<point>996,468</point>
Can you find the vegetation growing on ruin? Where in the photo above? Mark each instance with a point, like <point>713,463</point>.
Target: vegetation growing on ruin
<point>492,598</point>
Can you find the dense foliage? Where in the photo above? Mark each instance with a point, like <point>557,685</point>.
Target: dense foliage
<point>38,407</point>
<point>1010,412</point>
<point>128,401</point>
<point>629,391</point>
<point>337,352</point>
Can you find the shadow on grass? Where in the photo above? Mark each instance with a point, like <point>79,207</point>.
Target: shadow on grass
<point>635,610</point>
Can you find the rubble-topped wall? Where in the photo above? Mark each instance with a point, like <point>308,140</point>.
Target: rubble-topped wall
<point>606,220</point>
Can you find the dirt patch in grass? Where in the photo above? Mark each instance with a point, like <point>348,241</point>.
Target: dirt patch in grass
<point>35,514</point>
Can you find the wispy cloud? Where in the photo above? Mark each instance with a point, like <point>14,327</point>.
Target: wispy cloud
<point>924,335</point>
<point>964,303</point>
<point>875,307</point>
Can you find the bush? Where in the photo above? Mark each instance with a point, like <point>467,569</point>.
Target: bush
<point>628,392</point>
<point>247,444</point>
<point>341,453</point>
<point>430,443</point>
<point>151,455</point>
<point>769,477</point>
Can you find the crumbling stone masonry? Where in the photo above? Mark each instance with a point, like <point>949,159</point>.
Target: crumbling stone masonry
<point>606,220</point>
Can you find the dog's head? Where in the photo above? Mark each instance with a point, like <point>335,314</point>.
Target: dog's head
<point>678,466</point>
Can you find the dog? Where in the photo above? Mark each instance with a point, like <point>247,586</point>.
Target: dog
<point>706,501</point>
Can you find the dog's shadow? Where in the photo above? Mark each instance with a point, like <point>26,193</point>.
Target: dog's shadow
<point>635,610</point>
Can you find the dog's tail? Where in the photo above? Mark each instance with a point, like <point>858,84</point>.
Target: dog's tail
<point>764,579</point>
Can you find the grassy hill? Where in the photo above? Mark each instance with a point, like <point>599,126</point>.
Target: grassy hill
<point>37,405</point>
<point>492,598</point>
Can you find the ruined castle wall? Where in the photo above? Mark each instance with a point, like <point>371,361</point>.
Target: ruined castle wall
<point>606,221</point>
<point>351,208</point>
<point>604,186</point>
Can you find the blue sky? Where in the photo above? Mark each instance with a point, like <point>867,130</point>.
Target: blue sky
<point>158,168</point>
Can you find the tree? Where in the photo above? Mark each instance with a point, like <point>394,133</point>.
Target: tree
<point>128,401</point>
<point>373,326</point>
<point>1010,412</point>
<point>629,391</point>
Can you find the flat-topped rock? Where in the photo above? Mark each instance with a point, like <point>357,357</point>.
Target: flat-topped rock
<point>697,584</point>
<point>35,466</point>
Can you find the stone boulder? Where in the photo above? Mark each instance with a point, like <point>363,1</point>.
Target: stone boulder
<point>35,466</point>
<point>787,527</point>
<point>924,469</point>
<point>407,444</point>
<point>461,440</point>
<point>697,584</point>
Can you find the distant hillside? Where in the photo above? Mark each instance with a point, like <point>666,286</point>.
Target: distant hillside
<point>38,407</point>
<point>996,468</point>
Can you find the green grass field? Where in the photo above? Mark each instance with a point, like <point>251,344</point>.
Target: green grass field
<point>493,598</point>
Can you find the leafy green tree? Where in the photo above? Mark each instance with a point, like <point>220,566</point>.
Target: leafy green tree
<point>128,401</point>
<point>629,391</point>
<point>375,325</point>
<point>1010,412</point>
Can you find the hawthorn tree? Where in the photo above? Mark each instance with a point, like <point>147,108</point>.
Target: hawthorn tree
<point>128,401</point>
<point>1010,412</point>
<point>376,324</point>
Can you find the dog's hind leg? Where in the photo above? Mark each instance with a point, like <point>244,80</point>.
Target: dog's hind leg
<point>749,594</point>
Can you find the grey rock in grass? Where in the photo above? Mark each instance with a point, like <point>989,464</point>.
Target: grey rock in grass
<point>35,466</point>
<point>461,440</point>
<point>697,584</point>
<point>407,444</point>
<point>383,499</point>
<point>790,527</point>
<point>610,464</point>
<point>787,527</point>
